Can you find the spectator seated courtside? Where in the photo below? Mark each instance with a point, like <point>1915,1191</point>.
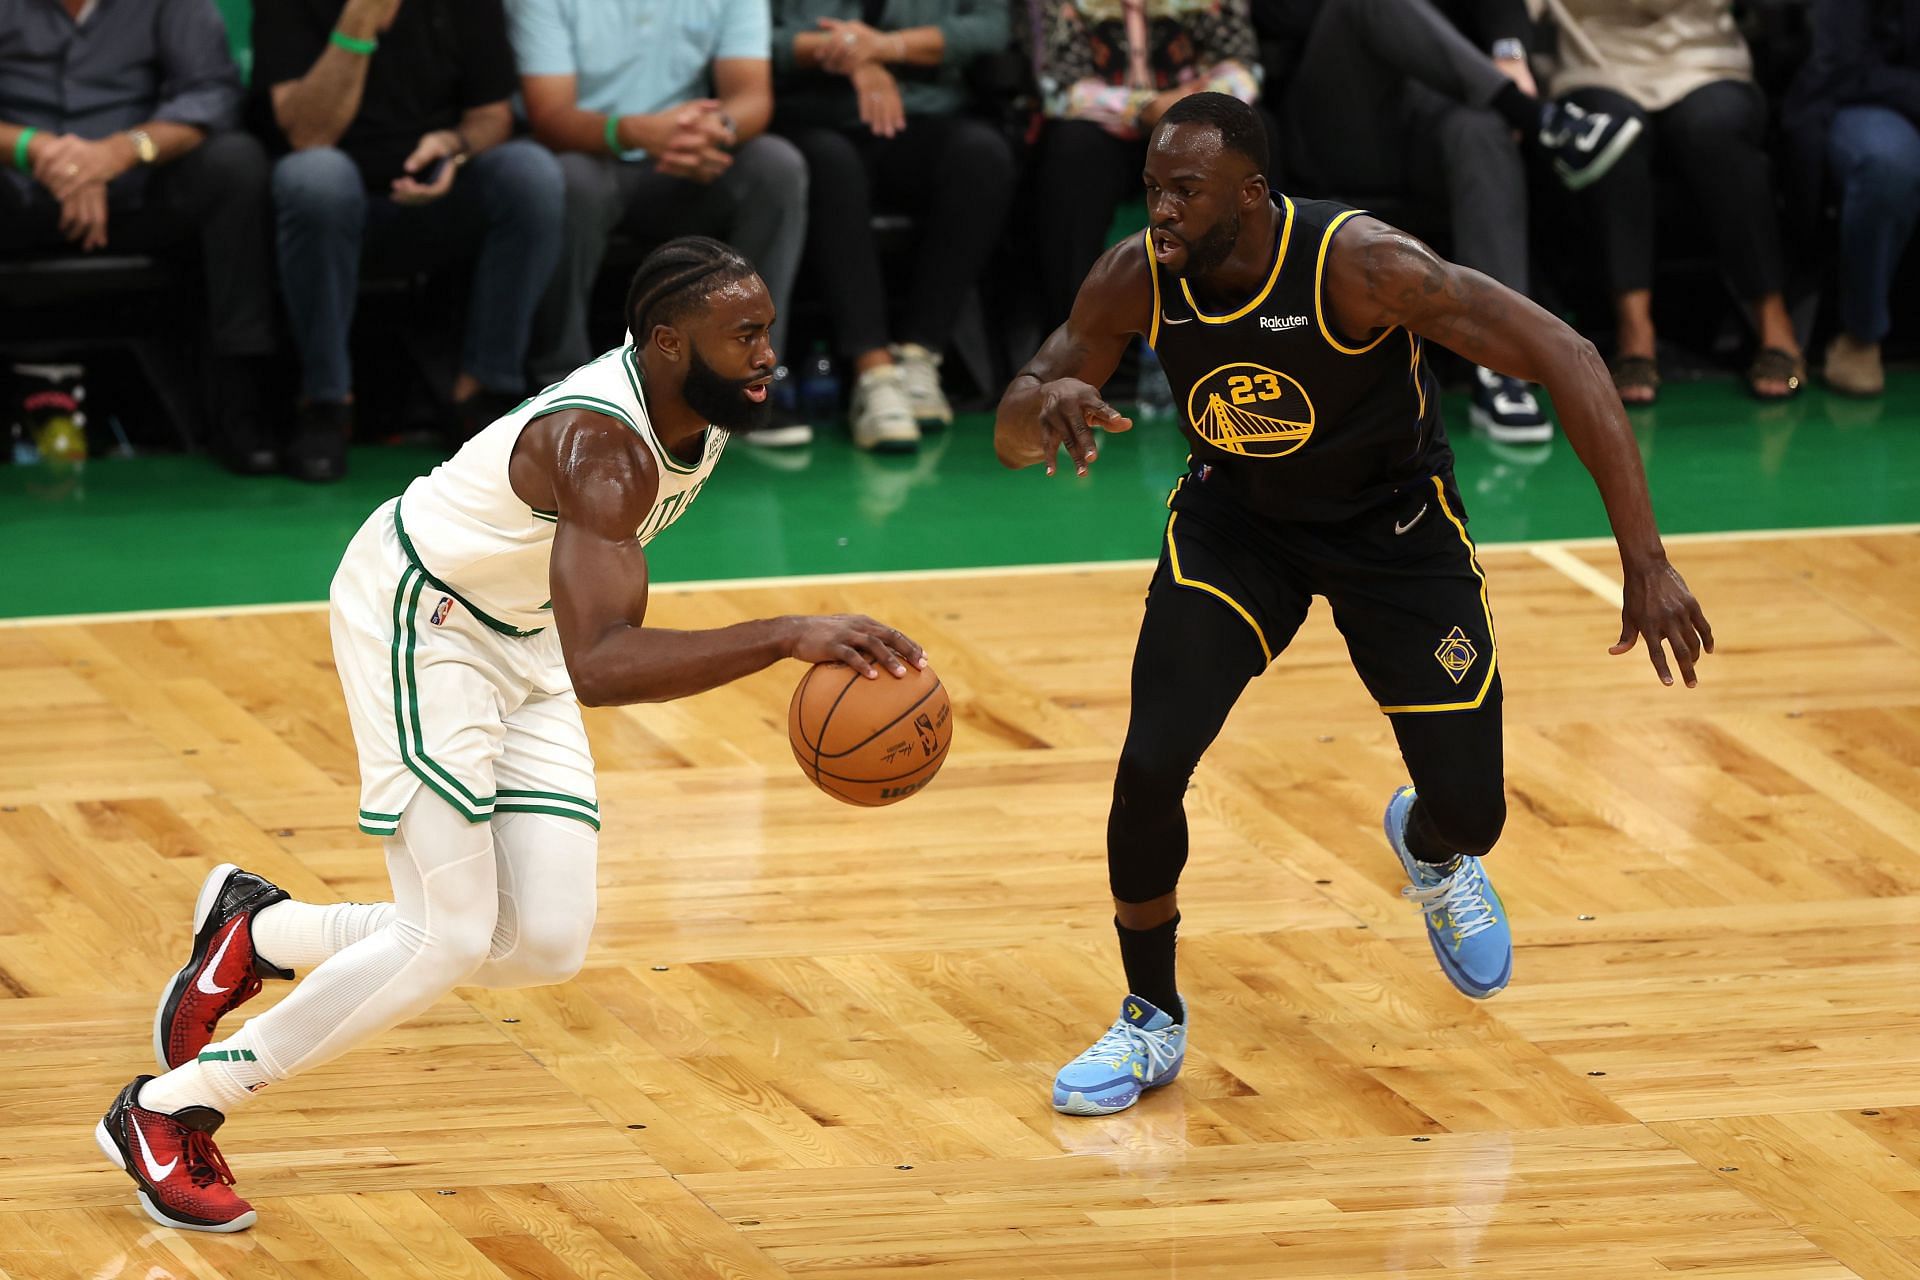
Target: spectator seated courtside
<point>873,92</point>
<point>118,118</point>
<point>659,114</point>
<point>1853,117</point>
<point>398,128</point>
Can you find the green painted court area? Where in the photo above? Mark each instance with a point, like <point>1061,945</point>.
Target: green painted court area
<point>170,531</point>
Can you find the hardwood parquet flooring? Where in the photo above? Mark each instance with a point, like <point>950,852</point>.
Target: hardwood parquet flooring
<point>816,1041</point>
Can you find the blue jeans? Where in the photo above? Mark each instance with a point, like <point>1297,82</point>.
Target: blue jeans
<point>1876,161</point>
<point>505,210</point>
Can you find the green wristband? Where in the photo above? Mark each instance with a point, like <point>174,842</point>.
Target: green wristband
<point>362,47</point>
<point>20,145</point>
<point>613,136</point>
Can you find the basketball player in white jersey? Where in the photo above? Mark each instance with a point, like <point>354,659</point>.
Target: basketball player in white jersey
<point>471,616</point>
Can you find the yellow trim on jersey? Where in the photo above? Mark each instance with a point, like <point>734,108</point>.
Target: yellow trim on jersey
<point>1319,303</point>
<point>1413,368</point>
<point>1493,659</point>
<point>1173,562</point>
<point>1273,277</point>
<point>1153,271</point>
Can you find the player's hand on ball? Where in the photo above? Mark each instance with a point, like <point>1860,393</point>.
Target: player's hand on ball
<point>1656,604</point>
<point>1070,412</point>
<point>855,640</point>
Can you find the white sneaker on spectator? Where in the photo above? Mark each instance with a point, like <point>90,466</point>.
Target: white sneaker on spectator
<point>882,413</point>
<point>920,375</point>
<point>1506,410</point>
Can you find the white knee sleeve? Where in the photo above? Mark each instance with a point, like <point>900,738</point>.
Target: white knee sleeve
<point>445,895</point>
<point>547,900</point>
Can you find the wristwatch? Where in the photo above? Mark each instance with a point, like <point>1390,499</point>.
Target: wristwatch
<point>1509,49</point>
<point>143,145</point>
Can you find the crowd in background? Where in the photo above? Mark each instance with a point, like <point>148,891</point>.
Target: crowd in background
<point>522,140</point>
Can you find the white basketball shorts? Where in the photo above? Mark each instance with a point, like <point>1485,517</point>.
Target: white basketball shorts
<point>445,698</point>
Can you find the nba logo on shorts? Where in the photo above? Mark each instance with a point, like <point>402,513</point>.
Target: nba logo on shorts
<point>441,610</point>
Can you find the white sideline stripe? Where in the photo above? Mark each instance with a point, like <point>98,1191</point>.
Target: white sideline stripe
<point>995,571</point>
<point>1580,571</point>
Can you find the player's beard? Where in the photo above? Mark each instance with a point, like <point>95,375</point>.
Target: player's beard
<point>721,400</point>
<point>1206,254</point>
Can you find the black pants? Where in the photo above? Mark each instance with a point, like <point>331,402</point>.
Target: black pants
<point>1391,100</point>
<point>1081,176</point>
<point>954,173</point>
<point>1714,140</point>
<point>215,195</point>
<point>1408,596</point>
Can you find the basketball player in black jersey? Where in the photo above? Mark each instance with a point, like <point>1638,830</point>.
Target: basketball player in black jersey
<point>1293,332</point>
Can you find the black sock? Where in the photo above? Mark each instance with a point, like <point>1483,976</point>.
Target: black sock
<point>1520,111</point>
<point>1147,955</point>
<point>1423,842</point>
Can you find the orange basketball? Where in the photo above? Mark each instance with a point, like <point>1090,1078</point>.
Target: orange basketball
<point>869,742</point>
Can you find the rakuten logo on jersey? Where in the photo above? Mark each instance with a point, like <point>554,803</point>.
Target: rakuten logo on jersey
<point>1282,322</point>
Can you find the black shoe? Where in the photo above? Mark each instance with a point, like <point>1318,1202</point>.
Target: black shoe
<point>240,392</point>
<point>786,427</point>
<point>481,410</point>
<point>1584,144</point>
<point>1506,410</point>
<point>318,454</point>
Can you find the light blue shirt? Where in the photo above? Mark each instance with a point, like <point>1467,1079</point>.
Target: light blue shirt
<point>634,57</point>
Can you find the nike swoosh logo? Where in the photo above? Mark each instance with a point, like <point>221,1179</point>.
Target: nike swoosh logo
<point>1418,517</point>
<point>1167,319</point>
<point>213,965</point>
<point>156,1171</point>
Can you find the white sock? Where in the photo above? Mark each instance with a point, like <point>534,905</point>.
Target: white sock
<point>224,1077</point>
<point>299,935</point>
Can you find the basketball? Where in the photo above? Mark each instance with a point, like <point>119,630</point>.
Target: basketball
<point>869,742</point>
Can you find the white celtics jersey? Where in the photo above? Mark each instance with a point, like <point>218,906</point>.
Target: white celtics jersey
<point>463,524</point>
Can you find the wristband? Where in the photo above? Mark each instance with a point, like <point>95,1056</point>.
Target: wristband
<point>20,145</point>
<point>613,136</point>
<point>1509,49</point>
<point>352,45</point>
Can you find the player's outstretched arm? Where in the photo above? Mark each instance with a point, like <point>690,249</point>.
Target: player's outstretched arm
<point>1055,400</point>
<point>1379,276</point>
<point>603,485</point>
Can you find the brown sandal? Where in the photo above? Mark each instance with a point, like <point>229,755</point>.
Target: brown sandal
<point>1773,364</point>
<point>1630,373</point>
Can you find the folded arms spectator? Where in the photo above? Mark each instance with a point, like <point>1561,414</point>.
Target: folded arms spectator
<point>873,93</point>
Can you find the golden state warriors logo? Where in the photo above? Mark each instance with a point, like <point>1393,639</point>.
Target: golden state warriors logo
<point>1456,654</point>
<point>1250,410</point>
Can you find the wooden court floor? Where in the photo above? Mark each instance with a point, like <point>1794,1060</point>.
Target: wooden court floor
<point>816,1042</point>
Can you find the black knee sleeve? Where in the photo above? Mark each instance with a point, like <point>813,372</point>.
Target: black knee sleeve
<point>1147,826</point>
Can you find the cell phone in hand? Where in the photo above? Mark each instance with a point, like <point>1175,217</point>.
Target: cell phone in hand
<point>430,175</point>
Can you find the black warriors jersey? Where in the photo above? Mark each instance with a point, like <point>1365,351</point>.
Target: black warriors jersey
<point>1281,412</point>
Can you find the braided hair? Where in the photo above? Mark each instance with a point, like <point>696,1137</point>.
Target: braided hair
<point>678,274</point>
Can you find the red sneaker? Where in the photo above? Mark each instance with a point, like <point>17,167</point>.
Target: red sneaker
<point>183,1180</point>
<point>225,971</point>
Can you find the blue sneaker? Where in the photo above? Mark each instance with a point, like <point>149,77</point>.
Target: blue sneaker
<point>1142,1050</point>
<point>1466,921</point>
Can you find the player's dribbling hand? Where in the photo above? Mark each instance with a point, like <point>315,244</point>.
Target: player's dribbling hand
<point>1655,603</point>
<point>855,640</point>
<point>1070,412</point>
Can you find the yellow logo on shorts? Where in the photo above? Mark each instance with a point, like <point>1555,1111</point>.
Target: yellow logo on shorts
<point>1456,654</point>
<point>1250,410</point>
